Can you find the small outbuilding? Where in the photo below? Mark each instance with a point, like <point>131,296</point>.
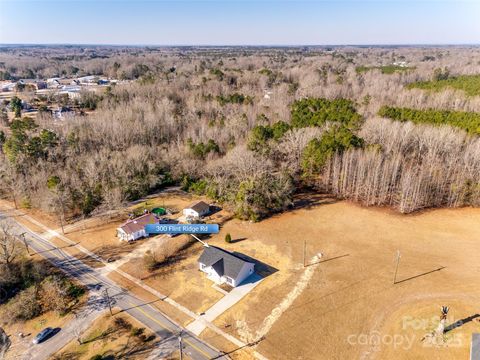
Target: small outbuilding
<point>197,210</point>
<point>222,266</point>
<point>134,229</point>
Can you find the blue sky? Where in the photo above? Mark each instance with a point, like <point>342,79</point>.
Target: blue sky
<point>239,22</point>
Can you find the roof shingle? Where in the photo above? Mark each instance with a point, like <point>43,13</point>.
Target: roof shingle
<point>224,262</point>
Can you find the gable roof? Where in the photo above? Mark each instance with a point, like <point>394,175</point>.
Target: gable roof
<point>199,206</point>
<point>223,261</point>
<point>139,223</point>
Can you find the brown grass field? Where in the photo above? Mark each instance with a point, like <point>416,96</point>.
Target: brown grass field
<point>351,290</point>
<point>106,339</point>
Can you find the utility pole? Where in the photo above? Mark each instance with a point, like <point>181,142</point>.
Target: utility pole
<point>180,344</point>
<point>62,215</point>
<point>304,252</point>
<point>25,243</point>
<point>396,266</point>
<point>108,299</point>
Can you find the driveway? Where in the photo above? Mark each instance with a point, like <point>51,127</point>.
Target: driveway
<point>225,303</point>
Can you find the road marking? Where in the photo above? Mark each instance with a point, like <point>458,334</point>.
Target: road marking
<point>207,355</point>
<point>152,318</point>
<point>41,244</point>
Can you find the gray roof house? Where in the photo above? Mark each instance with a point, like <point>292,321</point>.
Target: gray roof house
<point>197,209</point>
<point>222,266</point>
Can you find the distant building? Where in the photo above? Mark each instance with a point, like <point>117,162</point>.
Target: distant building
<point>88,80</point>
<point>400,63</point>
<point>41,85</point>
<point>222,266</point>
<point>63,112</point>
<point>197,210</point>
<point>73,91</point>
<point>10,86</point>
<point>53,83</point>
<point>134,229</point>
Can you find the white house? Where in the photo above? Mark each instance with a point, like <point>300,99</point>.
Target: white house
<point>10,86</point>
<point>53,83</point>
<point>88,80</point>
<point>222,266</point>
<point>73,91</point>
<point>135,228</point>
<point>196,210</point>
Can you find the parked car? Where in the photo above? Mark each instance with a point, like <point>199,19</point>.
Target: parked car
<point>97,286</point>
<point>45,334</point>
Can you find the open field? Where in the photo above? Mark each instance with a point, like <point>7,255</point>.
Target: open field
<point>346,301</point>
<point>352,291</point>
<point>110,340</point>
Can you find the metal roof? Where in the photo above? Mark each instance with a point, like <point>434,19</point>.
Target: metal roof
<point>137,224</point>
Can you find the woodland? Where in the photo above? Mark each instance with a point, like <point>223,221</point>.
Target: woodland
<point>248,127</point>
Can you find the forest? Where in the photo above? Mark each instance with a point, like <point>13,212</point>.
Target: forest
<point>248,127</point>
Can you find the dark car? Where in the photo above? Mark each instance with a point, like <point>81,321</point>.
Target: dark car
<point>97,286</point>
<point>45,334</point>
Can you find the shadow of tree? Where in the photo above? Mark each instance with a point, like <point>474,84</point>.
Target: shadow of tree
<point>461,322</point>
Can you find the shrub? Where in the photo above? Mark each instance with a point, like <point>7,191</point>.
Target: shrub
<point>228,238</point>
<point>150,260</point>
<point>137,331</point>
<point>121,323</point>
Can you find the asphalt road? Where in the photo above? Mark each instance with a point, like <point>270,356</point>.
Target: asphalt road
<point>92,278</point>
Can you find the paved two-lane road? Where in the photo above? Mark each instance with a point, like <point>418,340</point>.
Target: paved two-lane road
<point>151,317</point>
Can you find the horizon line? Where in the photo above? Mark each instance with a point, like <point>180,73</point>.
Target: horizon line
<point>243,45</point>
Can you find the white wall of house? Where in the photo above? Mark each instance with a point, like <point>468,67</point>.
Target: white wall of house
<point>130,237</point>
<point>191,213</point>
<point>211,273</point>
<point>246,271</point>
